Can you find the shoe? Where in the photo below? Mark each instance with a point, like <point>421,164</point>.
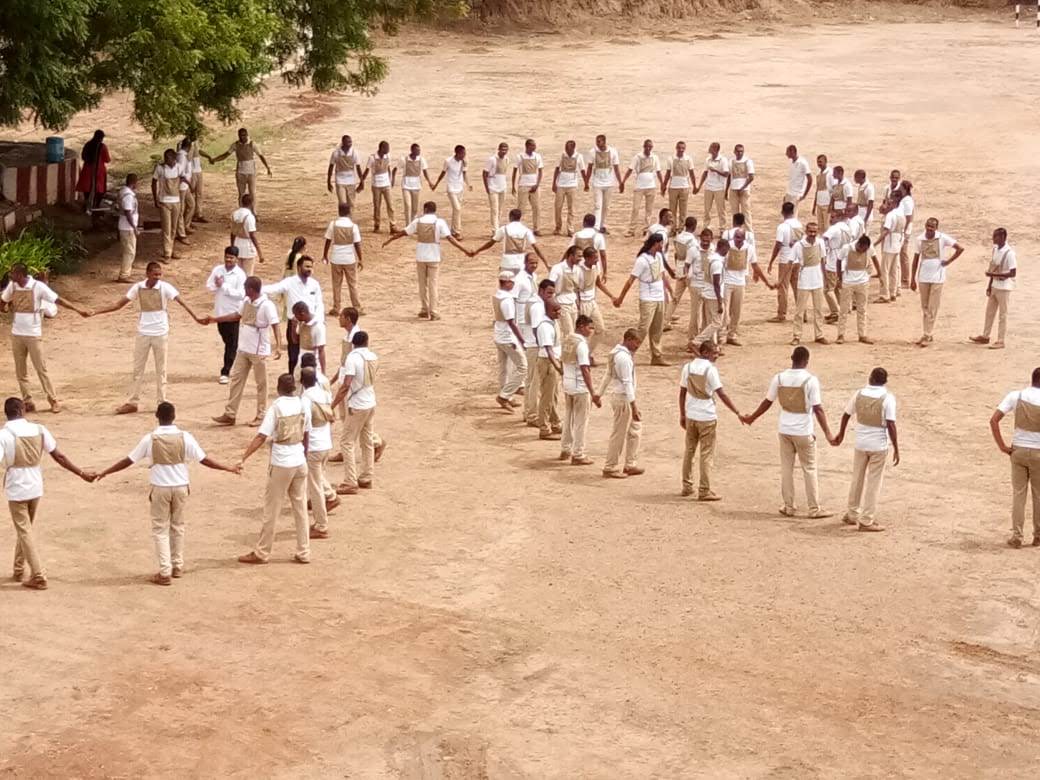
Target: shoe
<point>256,421</point>
<point>346,490</point>
<point>659,362</point>
<point>332,504</point>
<point>423,314</point>
<point>777,318</point>
<point>125,409</point>
<point>224,420</point>
<point>29,406</point>
<point>298,559</point>
<point>183,240</point>
<point>557,429</point>
<point>922,342</point>
<point>709,496</point>
<point>795,342</point>
<point>634,471</point>
<point>615,474</point>
<point>36,582</point>
<point>203,220</point>
<point>549,436</point>
<point>839,340</point>
<point>365,484</point>
<point>686,491</point>
<point>787,511</point>
<point>997,345</point>
<point>17,575</point>
<point>830,319</point>
<point>930,339</point>
<point>504,403</point>
<point>822,340</point>
<point>317,533</point>
<point>866,340</point>
<point>223,379</point>
<point>251,558</point>
<point>55,407</point>
<point>377,452</point>
<point>979,339</point>
<point>1036,541</point>
<point>874,527</point>
<point>734,342</point>
<point>161,579</point>
<point>338,457</point>
<point>667,328</point>
<point>434,317</point>
<point>531,423</point>
<point>515,404</point>
<point>820,514</point>
<point>847,520</point>
<point>177,572</point>
<point>881,300</point>
<point>581,461</point>
<point>564,455</point>
<point>1014,542</point>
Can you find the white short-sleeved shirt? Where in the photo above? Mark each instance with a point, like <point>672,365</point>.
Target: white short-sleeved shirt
<point>701,409</point>
<point>533,317</point>
<point>361,397</point>
<point>454,170</point>
<point>496,181</point>
<point>599,243</point>
<point>739,278</point>
<point>603,177</point>
<point>866,189</point>
<point>823,196</point>
<point>695,267</point>
<point>256,339</point>
<point>128,202</point>
<point>785,234</point>
<point>24,483</point>
<point>29,323</point>
<point>739,181</point>
<point>380,179</point>
<point>154,323</point>
<point>546,336</point>
<point>319,334</point>
<point>1004,257</point>
<point>523,289</point>
<point>846,191</point>
<point>680,182</point>
<point>424,252</point>
<point>793,423</point>
<point>933,271</point>
<point>589,295</point>
<point>796,173</point>
<point>163,171</point>
<point>649,289</point>
<point>569,179</point>
<point>893,242</point>
<point>658,229</point>
<point>573,381</point>
<point>716,181</point>
<point>1025,439</point>
<point>717,266</point>
<point>908,207</point>
<point>228,297</point>
<point>528,179</point>
<point>286,455</point>
<point>246,218</point>
<point>518,231</point>
<point>836,238</point>
<point>343,254</point>
<point>185,165</point>
<point>868,437</point>
<point>623,377</point>
<point>507,302</point>
<point>808,278</point>
<point>349,176</point>
<point>196,158</point>
<point>162,475</point>
<point>413,183</point>
<point>556,274</point>
<point>320,439</point>
<point>647,180</point>
<point>853,277</point>
<point>295,290</point>
<point>690,242</point>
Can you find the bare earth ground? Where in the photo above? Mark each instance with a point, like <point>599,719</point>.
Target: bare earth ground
<point>485,612</point>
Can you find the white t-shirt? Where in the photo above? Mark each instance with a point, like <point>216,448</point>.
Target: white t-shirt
<point>154,323</point>
<point>528,179</point>
<point>246,218</point>
<point>346,177</point>
<point>1022,438</point>
<point>413,183</point>
<point>846,191</point>
<point>343,254</point>
<point>556,275</point>
<point>823,196</point>
<point>599,243</point>
<point>717,169</point>
<point>185,165</point>
<point>454,170</point>
<point>228,297</point>
<point>808,278</point>
<point>295,289</point>
<point>866,189</point>
<point>256,339</point>
<point>604,177</point>
<point>658,229</point>
<point>893,242</point>
<point>507,302</point>
<point>573,381</point>
<point>163,171</point>
<point>320,439</point>
<point>739,278</point>
<point>623,378</point>
<point>361,397</point>
<point>647,180</point>
<point>689,241</point>
<point>908,207</point>
<point>162,475</point>
<point>701,409</point>
<point>29,323</point>
<point>836,238</point>
<point>379,179</point>
<point>128,202</point>
<point>523,288</point>
<point>569,179</point>
<point>853,277</point>
<point>589,295</point>
<point>25,483</point>
<point>286,455</point>
<point>318,334</point>
<point>546,336</point>
<point>794,423</point>
<point>796,173</point>
<point>868,437</point>
<point>533,318</point>
<point>649,288</point>
<point>695,267</point>
<point>1006,261</point>
<point>738,181</point>
<point>785,234</point>
<point>932,271</point>
<point>424,252</point>
<point>518,231</point>
<point>680,182</point>
<point>718,266</point>
<point>496,181</point>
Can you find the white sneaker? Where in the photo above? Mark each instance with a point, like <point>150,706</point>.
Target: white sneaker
<point>223,380</point>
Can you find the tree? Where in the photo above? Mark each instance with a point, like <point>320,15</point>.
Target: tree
<point>183,58</point>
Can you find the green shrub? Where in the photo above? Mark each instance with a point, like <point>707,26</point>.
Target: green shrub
<point>71,251</point>
<point>38,254</point>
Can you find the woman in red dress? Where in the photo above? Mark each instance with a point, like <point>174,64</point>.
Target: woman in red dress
<point>93,177</point>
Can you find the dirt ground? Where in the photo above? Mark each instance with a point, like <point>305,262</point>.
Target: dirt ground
<point>487,612</point>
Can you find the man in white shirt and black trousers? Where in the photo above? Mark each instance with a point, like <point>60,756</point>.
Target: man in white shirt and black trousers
<point>227,282</point>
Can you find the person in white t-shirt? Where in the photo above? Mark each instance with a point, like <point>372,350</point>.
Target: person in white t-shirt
<point>834,238</point>
<point>929,273</point>
<point>679,182</point>
<point>841,192</point>
<point>714,181</point>
<point>167,451</point>
<point>287,425</point>
<point>864,196</point>
<point>569,277</point>
<point>741,174</point>
<point>509,342</point>
<point>741,262</point>
<point>1025,455</point>
<point>227,282</point>
<point>603,171</point>
<point>22,446</point>
<point>713,295</point>
<point>187,192</point>
<point>343,251</point>
<point>30,302</point>
<point>801,401</point>
<point>547,337</point>
<point>626,429</point>
<point>588,236</point>
<point>647,168</point>
<point>383,172</point>
<point>909,208</point>
<point>799,179</point>
<point>893,230</point>
<point>699,383</point>
<point>788,233</point>
<point>698,257</point>
<point>458,183</point>
<point>243,236</point>
<point>429,230</point>
<point>345,163</point>
<point>875,411</point>
<point>1001,273</point>
<point>413,169</point>
<point>853,267</point>
<point>822,194</point>
<point>153,297</point>
<point>195,155</point>
<point>517,241</point>
<point>166,195</point>
<point>320,495</point>
<point>654,289</point>
<point>684,243</point>
<point>527,178</point>
<point>494,176</point>
<point>576,358</point>
<point>310,332</point>
<point>357,394</point>
<point>565,184</point>
<point>807,265</point>
<point>531,295</point>
<point>246,154</point>
<point>129,226</point>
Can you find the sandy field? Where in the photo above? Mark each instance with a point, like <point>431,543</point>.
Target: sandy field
<point>487,612</point>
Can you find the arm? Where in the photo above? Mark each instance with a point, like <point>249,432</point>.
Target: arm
<point>226,318</point>
<point>913,271</point>
<point>716,282</point>
<point>486,245</point>
<point>256,443</point>
<point>114,307</point>
<point>86,312</point>
<point>877,265</point>
<point>682,407</point>
<point>841,430</point>
<point>998,437</point>
<point>808,185</point>
<point>625,177</point>
<point>68,465</point>
<point>821,417</point>
<point>556,175</point>
<point>155,192</point>
<point>434,185</point>
<point>762,409</point>
<point>603,261</point>
<point>724,397</point>
<point>426,174</point>
<point>325,252</point>
<point>891,425</point>
<point>586,374</point>
<point>119,465</point>
<point>218,158</point>
<point>538,182</point>
<point>600,284</point>
<point>538,252</point>
<point>757,275</point>
<point>455,243</point>
<point>772,256</point>
<point>264,161</point>
<point>485,177</point>
<point>256,244</point>
<point>513,181</point>
<point>664,182</point>
<point>209,463</point>
<point>516,331</point>
<point>870,210</point>
<point>617,175</point>
<point>328,176</point>
<point>958,250</point>
<point>394,236</point>
<point>187,308</point>
<point>750,178</point>
<point>624,291</point>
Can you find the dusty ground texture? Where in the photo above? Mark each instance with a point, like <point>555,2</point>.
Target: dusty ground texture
<point>485,612</point>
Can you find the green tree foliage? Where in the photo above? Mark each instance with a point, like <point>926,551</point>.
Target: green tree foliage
<point>182,58</point>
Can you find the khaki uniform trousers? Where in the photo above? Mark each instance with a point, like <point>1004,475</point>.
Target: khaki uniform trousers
<point>931,297</point>
<point>247,264</point>
<point>714,199</point>
<point>802,298</point>
<point>548,397</point>
<point>696,311</point>
<point>868,474</point>
<point>169,216</point>
<point>600,204</point>
<point>187,212</point>
<point>344,272</point>
<point>714,326</point>
<point>678,203</point>
<point>904,260</point>
<point>804,449</point>
<point>356,443</point>
<point>740,203</point>
<point>23,515</point>
<point>316,492</point>
<point>889,275</point>
<point>426,273</point>
<point>197,186</point>
<point>512,369</point>
<point>830,295</point>
<point>531,386</point>
<point>282,482</point>
<point>564,198</point>
<point>699,434</point>
<point>785,287</point>
<point>26,348</point>
<point>346,193</point>
<point>380,198</point>
<point>1025,477</point>
<point>128,253</point>
<point>240,370</point>
<point>143,345</point>
<point>591,309</point>
<point>410,202</point>
<point>854,294</point>
<point>568,316</point>
<point>496,204</point>
<point>625,434</point>
<point>575,423</point>
<point>167,514</point>
<point>997,309</point>
<point>679,286</point>
<point>734,295</point>
<point>642,210</point>
<point>455,201</point>
<point>651,325</point>
<point>246,182</point>
<point>528,196</point>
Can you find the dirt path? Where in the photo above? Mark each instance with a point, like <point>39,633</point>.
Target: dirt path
<point>485,612</point>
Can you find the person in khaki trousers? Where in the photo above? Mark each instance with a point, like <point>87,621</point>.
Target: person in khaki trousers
<point>320,495</point>
<point>287,424</point>
<point>129,227</point>
<point>166,195</point>
<point>891,239</point>
<point>548,370</point>
<point>741,261</point>
<point>578,392</point>
<point>678,182</point>
<point>1001,273</point>
<point>357,378</point>
<point>875,411</point>
<point>654,290</point>
<point>527,178</point>
<point>345,164</point>
<point>258,321</point>
<point>564,186</point>
<point>1024,453</point>
<point>800,399</point>
<point>626,426</point>
<point>246,154</point>
<point>741,174</point>
<point>383,174</point>
<point>853,285</point>
<point>929,273</point>
<point>647,168</point>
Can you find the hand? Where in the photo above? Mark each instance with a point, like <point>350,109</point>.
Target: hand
<point>277,354</point>
<point>746,419</point>
<point>325,260</point>
<point>913,285</point>
<point>621,189</point>
<point>636,416</point>
<point>597,402</point>
<point>86,313</point>
<point>989,291</point>
<point>239,466</point>
<point>360,187</point>
<point>513,190</point>
<point>586,188</point>
<point>554,189</point>
<point>895,458</point>
<point>156,203</point>
<point>236,469</point>
<point>534,188</point>
<point>269,174</point>
<point>202,320</point>
<point>1006,450</point>
<point>329,185</point>
<point>617,303</point>
<point>384,246</point>
<point>88,476</point>
<point>219,281</point>
<point>833,441</point>
<point>722,309</point>
<point>360,266</point>
<point>259,258</point>
<point>770,285</point>
<point>682,421</point>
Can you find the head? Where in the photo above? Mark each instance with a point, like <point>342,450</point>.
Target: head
<point>738,238</point>
<point>299,244</point>
<point>505,281</point>
<point>792,152</point>
<point>589,256</point>
<point>714,148</point>
<point>14,408</point>
<point>503,149</point>
<point>131,181</point>
<point>653,244</point>
<point>664,217</point>
<point>308,377</point>
<point>359,340</point>
<point>863,244</point>
<point>571,255</point>
<point>588,221</point>
<point>738,151</point>
<point>851,210</point>
<point>530,262</point>
<point>348,318</point>
<point>601,142</point>
<point>346,142</point>
<point>169,157</point>
<point>552,309</point>
<point>286,385</point>
<point>243,134</point>
<point>631,339</point>
<point>530,146</point>
<point>680,148</point>
<point>690,225</point>
<point>153,272</point>
<point>98,137</point>
<point>906,186</point>
<point>569,147</point>
<point>1036,383</point>
<point>787,210</point>
<point>930,226</point>
<point>648,146</point>
<point>878,377</point>
<point>308,360</point>
<point>739,220</point>
<point>515,215</point>
<point>19,274</point>
<point>821,161</point>
<point>460,152</point>
<point>583,325</point>
<point>893,177</point>
<point>247,201</point>
<point>305,267</point>
<point>709,350</point>
<point>839,172</point>
<point>414,150</point>
<point>185,144</point>
<point>165,413</point>
<point>344,209</point>
<point>546,289</point>
<point>706,237</point>
<point>860,176</point>
<point>800,357</point>
<point>812,229</point>
<point>722,247</point>
<point>1000,236</point>
<point>253,285</point>
<point>429,207</point>
<point>230,257</point>
<point>301,312</point>
<point>383,149</point>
